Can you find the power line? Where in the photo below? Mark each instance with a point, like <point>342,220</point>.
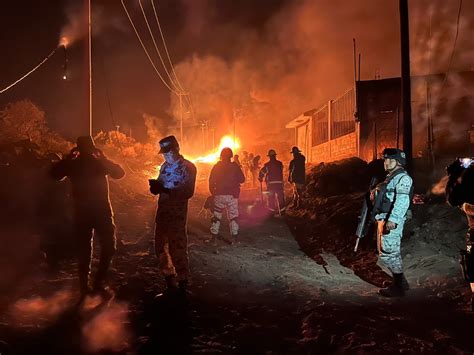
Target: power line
<point>165,46</point>
<point>454,48</point>
<point>30,72</point>
<point>157,49</point>
<point>146,52</point>
<point>188,98</point>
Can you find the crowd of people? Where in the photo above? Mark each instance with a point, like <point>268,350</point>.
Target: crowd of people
<point>88,169</point>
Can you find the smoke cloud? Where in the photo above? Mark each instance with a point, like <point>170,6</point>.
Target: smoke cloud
<point>302,57</point>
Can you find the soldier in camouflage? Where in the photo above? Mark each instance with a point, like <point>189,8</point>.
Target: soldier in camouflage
<point>396,193</point>
<point>175,185</point>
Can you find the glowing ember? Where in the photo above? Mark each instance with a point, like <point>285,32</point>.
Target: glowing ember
<point>226,142</point>
<point>64,41</point>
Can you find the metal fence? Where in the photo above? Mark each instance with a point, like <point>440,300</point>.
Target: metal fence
<point>342,119</point>
<point>342,115</point>
<point>320,126</point>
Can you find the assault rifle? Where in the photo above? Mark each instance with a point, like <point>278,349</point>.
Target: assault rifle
<point>367,213</point>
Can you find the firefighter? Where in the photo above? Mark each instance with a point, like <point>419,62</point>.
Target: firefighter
<point>224,185</point>
<point>297,175</point>
<point>460,193</point>
<point>272,173</point>
<point>87,168</point>
<point>175,185</point>
<point>396,192</point>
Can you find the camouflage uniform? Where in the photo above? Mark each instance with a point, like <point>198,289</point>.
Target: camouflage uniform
<point>171,240</point>
<point>388,242</point>
<point>224,184</point>
<point>92,209</point>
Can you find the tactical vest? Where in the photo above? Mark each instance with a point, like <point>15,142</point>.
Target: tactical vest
<point>382,203</point>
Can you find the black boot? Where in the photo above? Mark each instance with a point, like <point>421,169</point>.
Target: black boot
<point>170,287</point>
<point>395,289</point>
<point>405,284</point>
<point>183,287</point>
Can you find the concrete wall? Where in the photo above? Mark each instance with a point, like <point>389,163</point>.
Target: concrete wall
<point>339,148</point>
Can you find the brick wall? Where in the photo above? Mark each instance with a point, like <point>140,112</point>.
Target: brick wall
<point>339,148</point>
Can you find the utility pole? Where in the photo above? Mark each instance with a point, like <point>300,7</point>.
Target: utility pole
<point>180,94</point>
<point>406,82</point>
<point>89,55</point>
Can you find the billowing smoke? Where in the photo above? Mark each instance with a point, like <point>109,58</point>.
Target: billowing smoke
<point>76,27</point>
<point>302,56</point>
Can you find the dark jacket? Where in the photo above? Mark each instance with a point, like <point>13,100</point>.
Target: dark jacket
<point>88,175</point>
<point>460,187</point>
<point>297,169</point>
<point>225,179</point>
<point>272,172</point>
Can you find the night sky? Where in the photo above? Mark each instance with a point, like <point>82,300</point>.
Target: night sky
<point>273,58</point>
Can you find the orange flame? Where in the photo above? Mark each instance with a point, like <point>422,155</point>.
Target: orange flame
<point>226,142</point>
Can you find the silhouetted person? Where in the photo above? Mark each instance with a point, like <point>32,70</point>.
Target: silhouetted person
<point>237,161</point>
<point>272,173</point>
<point>175,185</point>
<point>254,165</point>
<point>460,193</point>
<point>297,175</point>
<point>87,168</point>
<point>224,185</point>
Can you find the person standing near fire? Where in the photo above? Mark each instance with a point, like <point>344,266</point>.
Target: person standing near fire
<point>460,193</point>
<point>88,169</point>
<point>224,184</point>
<point>272,173</point>
<point>175,185</point>
<point>297,175</point>
<point>254,167</point>
<point>394,202</point>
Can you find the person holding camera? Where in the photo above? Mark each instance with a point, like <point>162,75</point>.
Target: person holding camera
<point>460,193</point>
<point>88,170</point>
<point>175,185</point>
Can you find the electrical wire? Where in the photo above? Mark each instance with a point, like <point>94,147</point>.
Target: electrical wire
<point>146,52</point>
<point>157,49</point>
<point>165,46</point>
<point>188,99</point>
<point>30,72</point>
<point>454,48</point>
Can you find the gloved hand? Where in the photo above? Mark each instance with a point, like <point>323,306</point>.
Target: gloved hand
<point>156,187</point>
<point>73,154</point>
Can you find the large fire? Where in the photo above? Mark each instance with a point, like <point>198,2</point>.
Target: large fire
<point>226,142</point>
<point>211,158</point>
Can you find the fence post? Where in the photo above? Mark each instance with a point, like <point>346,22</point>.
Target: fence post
<point>330,126</point>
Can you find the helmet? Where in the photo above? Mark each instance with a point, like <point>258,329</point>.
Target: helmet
<point>395,153</point>
<point>226,154</point>
<point>272,152</point>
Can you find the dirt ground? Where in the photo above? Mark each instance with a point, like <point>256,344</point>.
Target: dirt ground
<point>289,285</point>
